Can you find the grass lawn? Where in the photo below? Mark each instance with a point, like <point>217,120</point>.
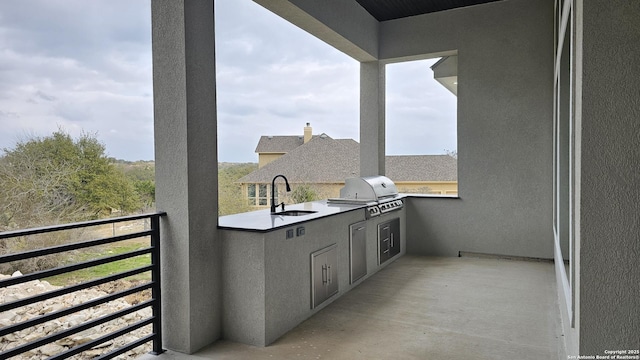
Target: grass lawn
<point>105,269</point>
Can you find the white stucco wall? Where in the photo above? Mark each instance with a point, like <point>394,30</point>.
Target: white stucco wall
<point>505,128</point>
<point>608,306</point>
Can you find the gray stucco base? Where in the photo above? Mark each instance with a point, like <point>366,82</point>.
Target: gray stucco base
<point>186,171</point>
<point>266,280</point>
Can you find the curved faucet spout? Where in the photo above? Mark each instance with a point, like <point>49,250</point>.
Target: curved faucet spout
<point>273,186</point>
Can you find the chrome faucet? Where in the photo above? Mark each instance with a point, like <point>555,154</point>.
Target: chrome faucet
<point>273,186</point>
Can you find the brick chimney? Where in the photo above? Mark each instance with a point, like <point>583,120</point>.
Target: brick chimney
<point>307,133</point>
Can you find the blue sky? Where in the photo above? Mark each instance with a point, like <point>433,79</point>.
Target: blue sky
<point>85,66</point>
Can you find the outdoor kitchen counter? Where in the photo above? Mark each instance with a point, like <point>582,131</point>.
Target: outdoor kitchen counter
<point>263,221</point>
<point>266,265</point>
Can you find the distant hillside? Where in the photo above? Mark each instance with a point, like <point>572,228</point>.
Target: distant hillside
<point>225,165</point>
<point>138,170</point>
<point>230,197</point>
<point>231,200</point>
<point>143,168</point>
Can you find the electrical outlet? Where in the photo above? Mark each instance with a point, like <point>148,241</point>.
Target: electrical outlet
<point>300,231</point>
<point>289,233</point>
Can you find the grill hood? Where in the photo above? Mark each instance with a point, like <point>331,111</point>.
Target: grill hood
<point>372,188</point>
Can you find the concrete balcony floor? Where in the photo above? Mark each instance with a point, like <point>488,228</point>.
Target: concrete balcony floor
<point>425,308</point>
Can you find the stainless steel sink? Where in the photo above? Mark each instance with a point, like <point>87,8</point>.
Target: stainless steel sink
<point>295,212</point>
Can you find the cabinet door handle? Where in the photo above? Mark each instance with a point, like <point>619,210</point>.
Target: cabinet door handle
<point>391,241</point>
<point>324,274</point>
<point>360,228</point>
<point>328,274</point>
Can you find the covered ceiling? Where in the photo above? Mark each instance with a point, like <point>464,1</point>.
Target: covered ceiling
<point>384,10</point>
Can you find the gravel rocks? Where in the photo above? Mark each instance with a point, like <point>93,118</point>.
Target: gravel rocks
<point>31,288</point>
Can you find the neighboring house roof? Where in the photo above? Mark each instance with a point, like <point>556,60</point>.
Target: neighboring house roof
<point>321,160</point>
<point>421,168</point>
<point>327,160</point>
<point>278,144</point>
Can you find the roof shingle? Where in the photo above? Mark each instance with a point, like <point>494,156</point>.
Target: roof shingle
<point>278,144</point>
<point>421,168</point>
<point>321,160</point>
<point>327,160</point>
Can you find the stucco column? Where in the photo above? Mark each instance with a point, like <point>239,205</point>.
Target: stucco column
<point>184,87</point>
<point>608,157</point>
<point>372,118</point>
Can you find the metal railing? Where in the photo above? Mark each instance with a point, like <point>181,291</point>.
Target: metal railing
<point>155,319</point>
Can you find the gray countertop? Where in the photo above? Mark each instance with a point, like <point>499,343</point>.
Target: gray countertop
<point>263,221</point>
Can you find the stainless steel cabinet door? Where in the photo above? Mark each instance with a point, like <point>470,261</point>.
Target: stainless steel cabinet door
<point>324,274</point>
<point>358,250</point>
<point>332,271</point>
<point>318,291</point>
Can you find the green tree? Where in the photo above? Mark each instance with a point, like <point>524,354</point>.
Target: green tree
<point>303,193</point>
<point>146,190</point>
<point>231,200</point>
<point>56,179</point>
<point>142,176</point>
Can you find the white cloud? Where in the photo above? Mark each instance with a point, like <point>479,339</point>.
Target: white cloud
<point>79,65</point>
<point>86,66</point>
<point>421,113</point>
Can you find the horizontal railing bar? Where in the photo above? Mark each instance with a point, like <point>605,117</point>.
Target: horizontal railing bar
<point>73,288</point>
<point>46,229</point>
<point>60,313</point>
<point>71,268</point>
<point>154,302</point>
<point>126,348</point>
<point>88,345</point>
<point>76,329</point>
<point>67,247</point>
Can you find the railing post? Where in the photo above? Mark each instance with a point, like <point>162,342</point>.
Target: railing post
<point>155,288</point>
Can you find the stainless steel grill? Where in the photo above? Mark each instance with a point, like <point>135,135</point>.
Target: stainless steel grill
<point>378,192</point>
